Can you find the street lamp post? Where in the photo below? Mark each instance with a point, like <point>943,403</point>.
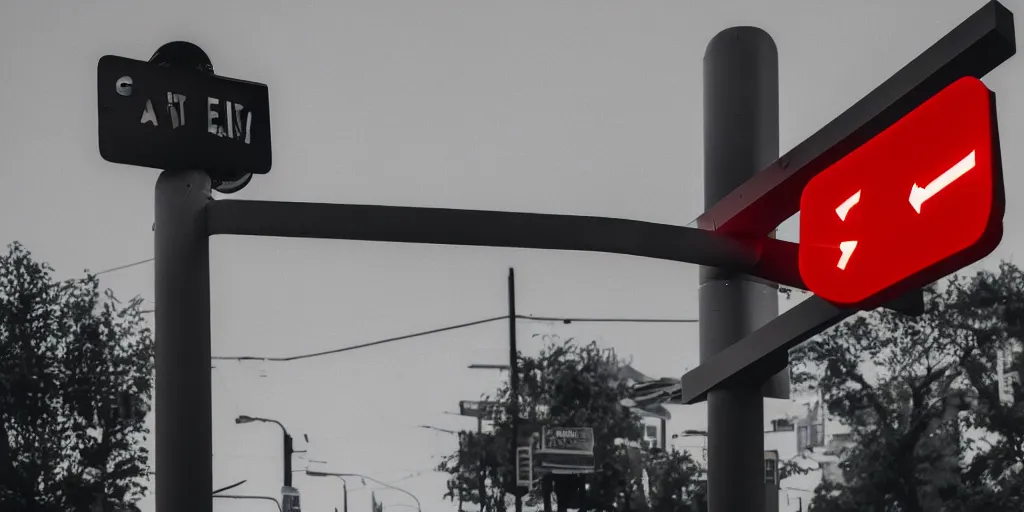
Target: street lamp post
<point>288,450</point>
<point>242,497</point>
<point>310,472</point>
<point>344,493</point>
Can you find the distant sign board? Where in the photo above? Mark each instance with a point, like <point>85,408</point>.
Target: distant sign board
<point>176,119</point>
<point>479,409</point>
<point>568,440</point>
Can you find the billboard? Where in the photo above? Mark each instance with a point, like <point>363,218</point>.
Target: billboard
<point>568,440</point>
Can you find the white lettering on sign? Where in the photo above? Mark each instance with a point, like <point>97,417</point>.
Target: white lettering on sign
<point>176,109</point>
<point>918,195</point>
<point>211,116</point>
<point>843,209</point>
<point>231,125</point>
<point>847,249</point>
<point>223,119</point>
<point>149,115</point>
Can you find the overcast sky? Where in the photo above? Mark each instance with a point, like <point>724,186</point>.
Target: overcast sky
<point>589,108</point>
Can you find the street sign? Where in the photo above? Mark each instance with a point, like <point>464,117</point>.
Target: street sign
<point>920,200</point>
<point>567,440</point>
<point>177,119</point>
<point>479,409</point>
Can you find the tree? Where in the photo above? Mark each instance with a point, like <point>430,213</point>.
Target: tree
<point>991,305</point>
<point>674,482</point>
<point>568,385</point>
<point>76,376</point>
<point>920,398</point>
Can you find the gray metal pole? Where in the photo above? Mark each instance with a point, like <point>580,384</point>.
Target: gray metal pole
<point>344,490</point>
<point>184,444</point>
<point>741,137</point>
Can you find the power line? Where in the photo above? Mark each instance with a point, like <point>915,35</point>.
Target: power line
<point>361,345</point>
<point>417,334</point>
<point>122,267</point>
<point>444,329</point>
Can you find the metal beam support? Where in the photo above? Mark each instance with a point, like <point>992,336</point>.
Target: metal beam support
<point>978,45</point>
<point>762,353</point>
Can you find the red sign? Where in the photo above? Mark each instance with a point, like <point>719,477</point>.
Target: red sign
<point>921,200</point>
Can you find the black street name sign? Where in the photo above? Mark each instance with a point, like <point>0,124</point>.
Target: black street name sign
<point>176,119</point>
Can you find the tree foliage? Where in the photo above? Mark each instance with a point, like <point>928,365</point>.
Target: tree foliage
<point>920,397</point>
<point>76,375</point>
<point>570,385</point>
<point>674,481</point>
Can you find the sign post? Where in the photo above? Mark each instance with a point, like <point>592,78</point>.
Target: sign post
<point>741,137</point>
<point>901,189</point>
<point>182,288</point>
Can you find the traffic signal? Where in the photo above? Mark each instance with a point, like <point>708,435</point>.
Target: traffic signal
<point>771,467</point>
<point>524,466</point>
<point>920,200</point>
<point>290,499</point>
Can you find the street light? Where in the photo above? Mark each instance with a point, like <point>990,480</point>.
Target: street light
<point>310,472</point>
<point>344,492</point>
<point>288,451</point>
<point>241,497</point>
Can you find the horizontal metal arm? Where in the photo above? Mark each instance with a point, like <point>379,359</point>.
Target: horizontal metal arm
<point>770,259</point>
<point>765,352</point>
<point>479,228</point>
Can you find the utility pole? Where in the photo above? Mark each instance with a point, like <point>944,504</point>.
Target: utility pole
<point>741,137</point>
<point>288,451</point>
<point>513,380</point>
<point>483,461</point>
